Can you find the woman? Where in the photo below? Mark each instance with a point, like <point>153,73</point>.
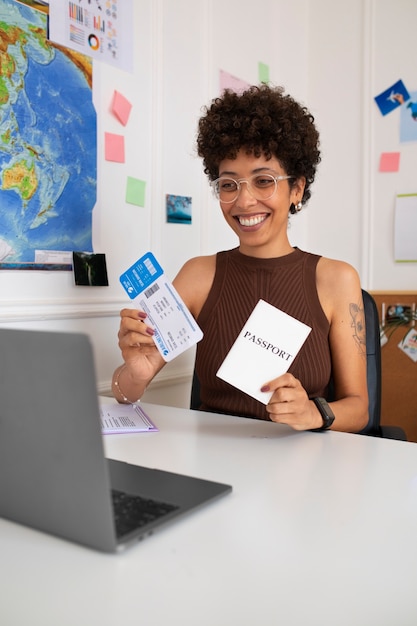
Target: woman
<point>260,151</point>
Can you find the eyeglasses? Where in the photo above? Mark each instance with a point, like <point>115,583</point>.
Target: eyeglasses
<point>260,186</point>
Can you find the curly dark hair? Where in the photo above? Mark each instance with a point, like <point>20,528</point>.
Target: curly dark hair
<point>263,121</point>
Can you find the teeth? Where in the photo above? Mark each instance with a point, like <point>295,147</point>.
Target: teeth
<point>251,221</point>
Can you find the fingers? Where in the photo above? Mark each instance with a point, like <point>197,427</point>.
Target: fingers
<point>134,331</point>
<point>133,313</point>
<point>289,403</point>
<point>284,394</point>
<point>281,384</point>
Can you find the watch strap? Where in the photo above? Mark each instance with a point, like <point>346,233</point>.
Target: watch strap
<point>325,412</point>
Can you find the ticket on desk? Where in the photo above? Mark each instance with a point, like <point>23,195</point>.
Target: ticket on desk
<point>175,328</point>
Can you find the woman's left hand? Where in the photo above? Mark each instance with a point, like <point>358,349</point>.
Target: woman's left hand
<point>289,404</point>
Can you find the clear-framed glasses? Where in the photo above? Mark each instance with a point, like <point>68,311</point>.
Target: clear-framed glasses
<point>260,186</point>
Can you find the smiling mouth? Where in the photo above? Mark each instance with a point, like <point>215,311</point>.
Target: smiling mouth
<point>251,221</point>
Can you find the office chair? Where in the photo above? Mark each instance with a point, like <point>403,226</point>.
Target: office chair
<point>373,355</point>
<point>373,366</point>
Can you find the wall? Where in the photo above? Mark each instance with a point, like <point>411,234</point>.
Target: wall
<point>393,36</point>
<point>325,54</point>
<point>335,96</point>
<point>357,50</point>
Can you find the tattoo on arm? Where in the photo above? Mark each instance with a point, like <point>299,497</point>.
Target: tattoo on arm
<point>358,325</point>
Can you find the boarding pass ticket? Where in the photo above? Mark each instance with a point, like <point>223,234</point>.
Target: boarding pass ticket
<point>175,328</point>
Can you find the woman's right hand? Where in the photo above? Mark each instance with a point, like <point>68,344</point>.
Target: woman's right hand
<point>139,351</point>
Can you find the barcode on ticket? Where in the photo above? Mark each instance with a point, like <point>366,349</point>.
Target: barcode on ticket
<point>149,292</point>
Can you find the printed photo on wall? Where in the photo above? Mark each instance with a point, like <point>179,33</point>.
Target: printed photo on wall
<point>178,209</point>
<point>392,98</point>
<point>90,269</point>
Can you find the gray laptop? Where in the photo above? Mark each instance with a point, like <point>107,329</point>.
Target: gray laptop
<point>54,476</point>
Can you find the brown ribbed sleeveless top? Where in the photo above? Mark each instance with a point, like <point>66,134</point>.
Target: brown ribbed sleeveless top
<point>240,281</point>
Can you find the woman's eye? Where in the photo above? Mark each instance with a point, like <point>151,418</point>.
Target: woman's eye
<point>263,181</point>
<point>228,185</point>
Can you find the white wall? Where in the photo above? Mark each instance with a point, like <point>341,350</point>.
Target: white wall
<point>392,34</point>
<point>335,97</point>
<point>331,55</point>
<point>357,50</point>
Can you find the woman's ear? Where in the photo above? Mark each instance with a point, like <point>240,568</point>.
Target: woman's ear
<point>297,190</point>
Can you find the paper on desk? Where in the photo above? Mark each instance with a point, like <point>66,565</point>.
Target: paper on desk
<point>125,418</point>
<point>175,328</point>
<point>264,349</point>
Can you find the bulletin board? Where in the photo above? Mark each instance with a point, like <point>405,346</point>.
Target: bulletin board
<point>399,371</point>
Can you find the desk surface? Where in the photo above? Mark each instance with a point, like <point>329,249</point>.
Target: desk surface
<point>321,528</point>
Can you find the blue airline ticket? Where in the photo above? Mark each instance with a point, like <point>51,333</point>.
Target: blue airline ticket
<point>175,328</point>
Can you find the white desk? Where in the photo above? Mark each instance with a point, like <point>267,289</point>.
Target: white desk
<point>320,529</point>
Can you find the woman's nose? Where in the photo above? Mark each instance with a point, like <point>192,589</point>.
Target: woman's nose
<point>245,195</point>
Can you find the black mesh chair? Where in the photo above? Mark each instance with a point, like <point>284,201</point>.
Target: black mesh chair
<point>373,353</point>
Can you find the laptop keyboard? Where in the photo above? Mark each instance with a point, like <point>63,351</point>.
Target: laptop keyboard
<point>133,512</point>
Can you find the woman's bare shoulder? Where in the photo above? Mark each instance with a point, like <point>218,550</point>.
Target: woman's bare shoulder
<point>199,264</point>
<point>334,274</point>
<point>338,284</point>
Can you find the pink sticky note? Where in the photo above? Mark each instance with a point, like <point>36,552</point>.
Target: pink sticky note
<point>389,162</point>
<point>114,147</point>
<point>228,81</point>
<point>121,107</point>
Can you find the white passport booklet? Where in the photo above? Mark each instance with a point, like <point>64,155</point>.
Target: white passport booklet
<point>264,349</point>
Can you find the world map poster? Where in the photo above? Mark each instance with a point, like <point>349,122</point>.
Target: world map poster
<point>48,141</point>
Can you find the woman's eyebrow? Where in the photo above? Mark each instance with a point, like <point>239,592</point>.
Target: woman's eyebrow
<point>255,171</point>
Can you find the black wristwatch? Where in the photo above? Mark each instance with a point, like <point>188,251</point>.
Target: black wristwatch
<point>326,413</point>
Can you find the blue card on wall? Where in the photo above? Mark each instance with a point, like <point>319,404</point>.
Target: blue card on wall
<point>392,98</point>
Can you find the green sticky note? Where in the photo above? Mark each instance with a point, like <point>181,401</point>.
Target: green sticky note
<point>135,191</point>
<point>263,72</point>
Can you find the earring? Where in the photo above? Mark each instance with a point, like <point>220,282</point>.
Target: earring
<point>295,208</point>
